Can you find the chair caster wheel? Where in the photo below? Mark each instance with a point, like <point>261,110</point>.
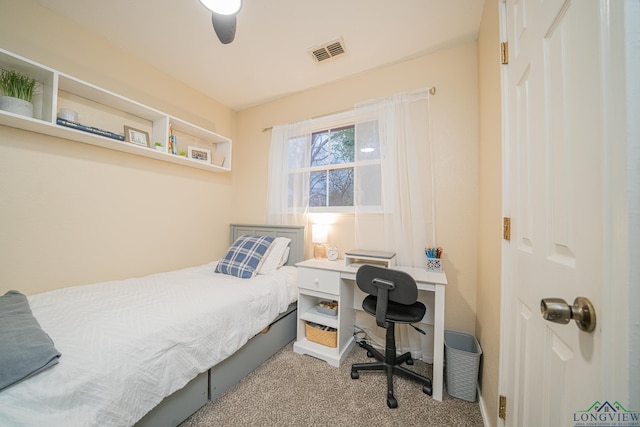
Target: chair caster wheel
<point>355,375</point>
<point>369,354</point>
<point>426,389</point>
<point>392,402</point>
<point>409,361</point>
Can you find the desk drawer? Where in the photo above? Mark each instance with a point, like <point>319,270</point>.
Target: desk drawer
<point>319,280</point>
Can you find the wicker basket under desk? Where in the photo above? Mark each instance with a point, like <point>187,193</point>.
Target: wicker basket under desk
<point>325,337</point>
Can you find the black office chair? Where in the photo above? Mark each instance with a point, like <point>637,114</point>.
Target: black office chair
<point>392,299</point>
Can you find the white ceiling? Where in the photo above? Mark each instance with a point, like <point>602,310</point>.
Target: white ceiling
<point>270,57</point>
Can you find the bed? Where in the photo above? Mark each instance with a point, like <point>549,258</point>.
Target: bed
<point>152,350</point>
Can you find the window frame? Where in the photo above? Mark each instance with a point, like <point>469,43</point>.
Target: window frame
<point>331,122</point>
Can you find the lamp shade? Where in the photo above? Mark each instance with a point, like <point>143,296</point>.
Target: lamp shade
<point>223,7</point>
<point>319,233</point>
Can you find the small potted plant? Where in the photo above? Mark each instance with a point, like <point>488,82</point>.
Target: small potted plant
<point>159,146</point>
<point>182,153</point>
<point>17,92</point>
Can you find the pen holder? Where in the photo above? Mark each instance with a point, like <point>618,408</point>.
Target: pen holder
<point>434,264</point>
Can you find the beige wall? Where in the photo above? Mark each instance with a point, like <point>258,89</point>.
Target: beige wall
<point>71,213</point>
<point>454,118</point>
<point>490,208</point>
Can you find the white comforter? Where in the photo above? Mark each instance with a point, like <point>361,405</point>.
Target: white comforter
<point>128,344</point>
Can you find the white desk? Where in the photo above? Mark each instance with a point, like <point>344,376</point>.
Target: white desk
<point>323,279</point>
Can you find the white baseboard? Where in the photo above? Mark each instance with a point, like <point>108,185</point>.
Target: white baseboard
<point>483,411</point>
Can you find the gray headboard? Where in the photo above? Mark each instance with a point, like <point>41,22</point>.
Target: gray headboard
<point>293,232</point>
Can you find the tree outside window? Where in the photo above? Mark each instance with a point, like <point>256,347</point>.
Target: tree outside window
<point>331,169</point>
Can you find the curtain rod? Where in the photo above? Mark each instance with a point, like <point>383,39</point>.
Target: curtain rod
<point>432,91</point>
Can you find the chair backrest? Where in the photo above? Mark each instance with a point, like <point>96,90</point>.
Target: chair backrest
<point>386,285</point>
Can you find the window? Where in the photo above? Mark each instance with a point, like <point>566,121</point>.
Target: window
<point>334,166</point>
<point>374,162</point>
<point>331,167</point>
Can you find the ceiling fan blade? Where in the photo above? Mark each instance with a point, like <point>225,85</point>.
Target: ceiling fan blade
<point>224,26</point>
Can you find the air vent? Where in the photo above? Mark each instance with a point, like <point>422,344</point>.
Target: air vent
<point>328,50</point>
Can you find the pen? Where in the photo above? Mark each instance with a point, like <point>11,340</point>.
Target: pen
<point>433,252</point>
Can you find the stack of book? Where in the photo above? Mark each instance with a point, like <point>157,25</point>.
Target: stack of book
<point>90,129</point>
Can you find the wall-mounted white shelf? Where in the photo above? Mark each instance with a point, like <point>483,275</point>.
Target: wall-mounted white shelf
<point>110,112</point>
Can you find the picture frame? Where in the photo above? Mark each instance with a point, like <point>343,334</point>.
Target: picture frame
<point>199,154</point>
<point>136,136</point>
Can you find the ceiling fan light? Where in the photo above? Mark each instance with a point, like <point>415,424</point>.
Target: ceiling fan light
<point>223,7</point>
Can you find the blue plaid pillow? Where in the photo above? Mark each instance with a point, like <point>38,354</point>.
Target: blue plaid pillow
<point>244,257</point>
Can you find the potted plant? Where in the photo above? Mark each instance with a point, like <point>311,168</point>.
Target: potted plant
<point>182,153</point>
<point>158,146</point>
<point>17,92</point>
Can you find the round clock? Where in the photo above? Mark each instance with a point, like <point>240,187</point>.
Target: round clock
<point>332,253</point>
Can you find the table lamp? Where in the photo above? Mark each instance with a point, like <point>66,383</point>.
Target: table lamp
<point>319,236</point>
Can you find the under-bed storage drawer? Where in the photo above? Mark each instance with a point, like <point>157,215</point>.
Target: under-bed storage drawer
<point>256,351</point>
<point>319,280</point>
<point>177,407</point>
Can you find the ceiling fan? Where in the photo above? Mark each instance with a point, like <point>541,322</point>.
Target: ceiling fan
<point>223,17</point>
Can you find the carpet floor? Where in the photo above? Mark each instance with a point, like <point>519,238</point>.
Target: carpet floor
<point>291,389</point>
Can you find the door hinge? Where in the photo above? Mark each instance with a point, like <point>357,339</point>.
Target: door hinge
<point>504,52</point>
<point>502,408</point>
<point>506,228</point>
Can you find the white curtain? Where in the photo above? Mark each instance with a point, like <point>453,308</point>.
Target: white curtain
<point>401,123</point>
<point>290,149</point>
<point>406,223</point>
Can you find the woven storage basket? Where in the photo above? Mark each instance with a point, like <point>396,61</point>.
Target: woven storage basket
<point>462,361</point>
<point>328,338</point>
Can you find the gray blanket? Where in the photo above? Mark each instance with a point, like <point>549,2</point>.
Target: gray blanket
<point>25,349</point>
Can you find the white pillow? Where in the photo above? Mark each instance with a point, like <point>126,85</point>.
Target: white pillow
<point>285,257</point>
<point>276,253</point>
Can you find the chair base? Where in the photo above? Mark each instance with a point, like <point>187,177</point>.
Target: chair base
<point>390,363</point>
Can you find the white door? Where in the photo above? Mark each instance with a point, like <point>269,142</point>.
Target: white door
<point>557,191</point>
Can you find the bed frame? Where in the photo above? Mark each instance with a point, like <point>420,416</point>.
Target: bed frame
<point>214,382</point>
